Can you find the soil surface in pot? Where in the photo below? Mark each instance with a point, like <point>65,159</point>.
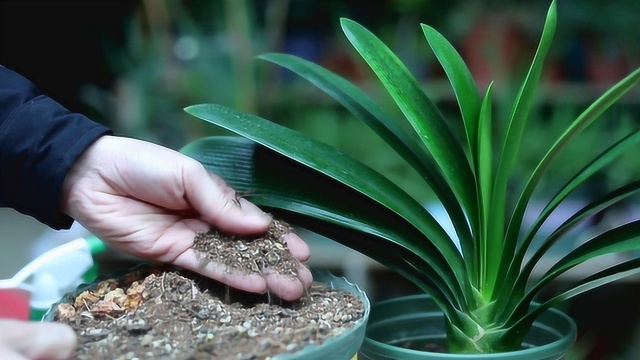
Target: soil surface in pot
<point>169,313</point>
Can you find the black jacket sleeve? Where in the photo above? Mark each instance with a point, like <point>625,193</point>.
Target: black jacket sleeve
<point>39,142</point>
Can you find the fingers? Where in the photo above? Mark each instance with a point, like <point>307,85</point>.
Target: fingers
<point>297,247</point>
<point>32,340</point>
<point>221,206</point>
<point>231,208</point>
<point>238,215</point>
<point>286,287</point>
<point>247,282</point>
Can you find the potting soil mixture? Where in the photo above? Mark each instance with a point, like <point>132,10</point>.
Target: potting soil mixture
<point>164,312</point>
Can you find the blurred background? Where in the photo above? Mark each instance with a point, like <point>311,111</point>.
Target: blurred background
<point>134,65</point>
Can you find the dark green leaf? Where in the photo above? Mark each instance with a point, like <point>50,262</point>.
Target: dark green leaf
<point>462,81</point>
<point>420,111</point>
<point>511,147</point>
<point>484,168</point>
<point>338,166</point>
<point>627,143</point>
<point>321,204</point>
<point>364,108</point>
<point>523,276</point>
<point>592,113</point>
<point>623,238</point>
<point>606,276</point>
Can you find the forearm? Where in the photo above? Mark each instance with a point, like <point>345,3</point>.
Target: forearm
<point>39,142</point>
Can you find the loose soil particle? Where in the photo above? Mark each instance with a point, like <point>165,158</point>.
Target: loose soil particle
<point>164,312</point>
<point>268,252</point>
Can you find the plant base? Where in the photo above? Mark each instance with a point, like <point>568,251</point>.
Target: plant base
<point>412,327</point>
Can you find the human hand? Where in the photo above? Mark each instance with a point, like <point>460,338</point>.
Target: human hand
<point>150,201</point>
<point>37,341</point>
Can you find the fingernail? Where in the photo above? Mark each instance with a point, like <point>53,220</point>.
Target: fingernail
<point>250,209</point>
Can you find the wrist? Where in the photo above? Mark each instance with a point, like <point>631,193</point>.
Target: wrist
<point>85,167</point>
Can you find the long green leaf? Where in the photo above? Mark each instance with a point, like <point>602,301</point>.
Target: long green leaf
<point>277,182</point>
<point>469,101</point>
<point>420,111</point>
<point>500,247</point>
<point>396,257</point>
<point>464,86</point>
<point>364,108</point>
<point>616,240</point>
<point>485,178</point>
<point>592,113</point>
<point>334,164</point>
<point>587,211</point>
<point>585,119</point>
<point>606,276</point>
<point>523,276</point>
<point>602,160</point>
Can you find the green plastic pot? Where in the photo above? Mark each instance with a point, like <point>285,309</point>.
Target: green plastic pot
<point>347,344</point>
<point>418,319</point>
<point>342,347</point>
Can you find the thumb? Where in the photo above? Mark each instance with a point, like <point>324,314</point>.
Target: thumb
<point>33,340</point>
<point>221,206</point>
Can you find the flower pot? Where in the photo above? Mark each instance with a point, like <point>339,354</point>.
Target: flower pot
<point>417,320</point>
<point>347,344</point>
<point>342,346</point>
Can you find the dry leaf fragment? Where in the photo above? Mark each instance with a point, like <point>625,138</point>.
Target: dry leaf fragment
<point>132,302</point>
<point>86,297</point>
<point>106,307</point>
<point>106,286</point>
<point>137,288</point>
<point>118,296</point>
<point>65,311</point>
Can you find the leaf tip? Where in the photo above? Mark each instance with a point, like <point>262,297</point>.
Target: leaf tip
<point>267,56</point>
<point>427,28</point>
<point>552,13</point>
<point>344,20</point>
<point>348,24</point>
<point>193,109</point>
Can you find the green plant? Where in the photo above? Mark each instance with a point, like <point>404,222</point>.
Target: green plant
<point>484,286</point>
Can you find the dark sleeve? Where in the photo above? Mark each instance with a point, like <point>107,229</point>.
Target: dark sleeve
<point>39,142</point>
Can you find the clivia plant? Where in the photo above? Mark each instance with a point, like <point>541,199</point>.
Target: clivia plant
<point>484,285</point>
